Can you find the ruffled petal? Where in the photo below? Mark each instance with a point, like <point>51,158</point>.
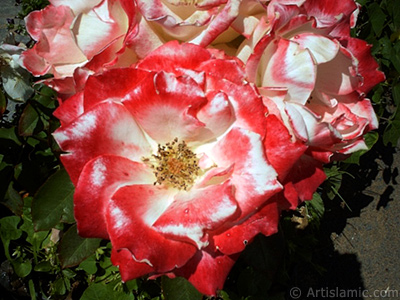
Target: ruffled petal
<point>235,239</point>
<point>130,216</point>
<point>197,211</point>
<point>120,83</point>
<point>77,6</point>
<point>174,56</point>
<point>98,181</point>
<point>322,48</point>
<point>170,101</point>
<point>303,180</point>
<point>207,271</point>
<point>367,67</point>
<point>253,177</point>
<point>281,151</point>
<point>96,29</point>
<point>87,137</point>
<point>70,109</point>
<point>55,50</point>
<point>129,268</point>
<point>329,13</point>
<point>288,65</point>
<point>337,76</point>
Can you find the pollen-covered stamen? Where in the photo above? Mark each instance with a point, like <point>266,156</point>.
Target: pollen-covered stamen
<point>175,165</point>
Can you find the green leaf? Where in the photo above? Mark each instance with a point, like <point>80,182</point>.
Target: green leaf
<point>179,289</point>
<point>316,205</point>
<point>376,17</point>
<point>13,200</point>
<point>392,133</point>
<point>396,94</point>
<point>89,265</point>
<point>100,291</point>
<point>396,14</point>
<point>46,97</point>
<point>377,97</point>
<point>9,134</point>
<point>74,249</point>
<point>44,266</point>
<point>224,295</point>
<point>395,56</point>
<point>370,139</point>
<point>16,83</point>
<point>9,228</point>
<point>53,202</point>
<point>333,182</point>
<point>32,292</point>
<point>22,267</point>
<point>9,231</point>
<point>28,121</point>
<point>59,286</point>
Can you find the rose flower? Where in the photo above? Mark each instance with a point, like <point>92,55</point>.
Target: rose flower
<point>201,22</point>
<point>169,161</point>
<point>73,34</point>
<point>314,76</point>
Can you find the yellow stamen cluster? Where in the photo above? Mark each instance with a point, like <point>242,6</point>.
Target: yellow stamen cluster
<point>175,165</point>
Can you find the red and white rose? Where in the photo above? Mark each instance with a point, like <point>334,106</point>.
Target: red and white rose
<point>313,75</point>
<point>74,34</point>
<point>170,163</point>
<point>182,155</point>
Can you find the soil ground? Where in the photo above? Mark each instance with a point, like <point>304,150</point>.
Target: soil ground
<point>359,249</point>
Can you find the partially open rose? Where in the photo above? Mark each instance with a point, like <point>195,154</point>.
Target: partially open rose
<point>72,34</point>
<point>170,163</point>
<point>201,22</point>
<point>313,74</point>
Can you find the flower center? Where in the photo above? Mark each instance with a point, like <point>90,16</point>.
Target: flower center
<point>174,165</point>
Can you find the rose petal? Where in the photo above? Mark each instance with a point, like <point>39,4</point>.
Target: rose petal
<point>281,151</point>
<point>198,271</point>
<point>129,268</point>
<point>197,211</point>
<point>98,181</point>
<point>303,180</point>
<point>131,214</point>
<point>322,48</point>
<point>56,48</point>
<point>253,177</point>
<point>120,83</point>
<point>174,56</point>
<point>286,64</point>
<point>87,137</point>
<point>336,76</point>
<point>170,101</point>
<point>235,239</point>
<point>70,109</point>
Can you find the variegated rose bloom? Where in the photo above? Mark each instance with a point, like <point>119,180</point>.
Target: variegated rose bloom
<point>313,74</point>
<point>75,38</point>
<point>202,22</point>
<point>171,162</point>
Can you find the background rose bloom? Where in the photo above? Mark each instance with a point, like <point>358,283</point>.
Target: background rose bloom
<point>313,74</point>
<point>72,34</point>
<point>170,163</point>
<point>200,22</point>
